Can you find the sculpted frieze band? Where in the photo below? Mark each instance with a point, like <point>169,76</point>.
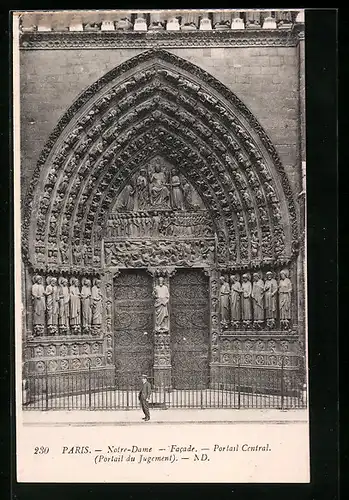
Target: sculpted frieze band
<point>159,224</point>
<point>145,253</point>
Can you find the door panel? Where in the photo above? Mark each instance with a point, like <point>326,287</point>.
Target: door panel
<point>189,315</point>
<point>133,327</point>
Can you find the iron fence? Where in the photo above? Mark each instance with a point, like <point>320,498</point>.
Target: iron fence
<point>109,389</point>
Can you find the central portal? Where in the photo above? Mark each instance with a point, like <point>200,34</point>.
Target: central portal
<point>189,317</point>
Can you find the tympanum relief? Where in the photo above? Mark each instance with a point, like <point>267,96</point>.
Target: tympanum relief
<point>159,220</point>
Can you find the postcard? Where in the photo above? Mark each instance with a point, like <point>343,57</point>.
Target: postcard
<point>160,246</point>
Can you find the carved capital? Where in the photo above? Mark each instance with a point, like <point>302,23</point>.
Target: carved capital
<point>165,272</point>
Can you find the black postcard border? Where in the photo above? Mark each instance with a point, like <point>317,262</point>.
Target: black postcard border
<point>321,116</point>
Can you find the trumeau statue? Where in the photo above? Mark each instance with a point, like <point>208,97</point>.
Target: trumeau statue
<point>158,187</point>
<point>162,295</point>
<point>258,300</point>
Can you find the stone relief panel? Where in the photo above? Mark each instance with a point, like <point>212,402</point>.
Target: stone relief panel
<point>158,186</point>
<point>69,355</point>
<point>259,352</point>
<point>147,253</point>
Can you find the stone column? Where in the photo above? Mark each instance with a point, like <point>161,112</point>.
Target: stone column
<point>162,338</point>
<point>107,328</point>
<point>301,65</point>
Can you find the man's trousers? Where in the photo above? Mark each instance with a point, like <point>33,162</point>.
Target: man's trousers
<point>145,407</point>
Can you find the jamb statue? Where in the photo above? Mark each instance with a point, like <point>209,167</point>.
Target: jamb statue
<point>235,301</point>
<point>258,301</point>
<point>38,296</point>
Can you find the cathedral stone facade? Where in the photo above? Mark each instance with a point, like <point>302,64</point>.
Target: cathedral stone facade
<point>163,194</point>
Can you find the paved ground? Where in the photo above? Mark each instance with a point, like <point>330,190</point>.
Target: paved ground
<point>178,416</point>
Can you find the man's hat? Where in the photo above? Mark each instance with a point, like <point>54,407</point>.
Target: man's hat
<point>144,376</point>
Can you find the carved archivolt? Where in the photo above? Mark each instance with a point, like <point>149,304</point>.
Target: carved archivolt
<point>158,105</point>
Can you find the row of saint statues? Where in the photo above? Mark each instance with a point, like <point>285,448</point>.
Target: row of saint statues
<point>155,190</point>
<point>255,303</point>
<point>63,306</point>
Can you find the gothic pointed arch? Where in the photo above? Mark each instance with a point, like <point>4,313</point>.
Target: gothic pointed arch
<point>158,108</point>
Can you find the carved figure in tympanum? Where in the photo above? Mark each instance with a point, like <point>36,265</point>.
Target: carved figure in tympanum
<point>159,193</point>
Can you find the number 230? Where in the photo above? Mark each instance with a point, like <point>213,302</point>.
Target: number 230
<point>41,450</point>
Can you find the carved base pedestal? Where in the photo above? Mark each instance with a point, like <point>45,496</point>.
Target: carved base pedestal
<point>162,377</point>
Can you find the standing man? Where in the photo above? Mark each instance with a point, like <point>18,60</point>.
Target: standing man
<point>144,397</point>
